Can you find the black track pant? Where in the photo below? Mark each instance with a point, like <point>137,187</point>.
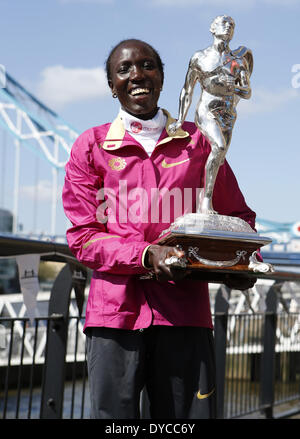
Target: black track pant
<point>176,364</point>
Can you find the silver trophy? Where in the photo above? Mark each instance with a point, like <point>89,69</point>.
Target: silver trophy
<point>224,76</point>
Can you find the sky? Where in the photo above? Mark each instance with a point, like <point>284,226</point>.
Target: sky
<point>57,50</point>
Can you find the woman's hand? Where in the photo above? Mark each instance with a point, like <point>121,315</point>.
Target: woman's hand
<point>155,259</point>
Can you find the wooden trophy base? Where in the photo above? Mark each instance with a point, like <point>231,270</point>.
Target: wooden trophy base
<point>212,253</point>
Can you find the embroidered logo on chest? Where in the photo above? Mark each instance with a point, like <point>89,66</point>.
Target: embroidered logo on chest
<point>117,164</point>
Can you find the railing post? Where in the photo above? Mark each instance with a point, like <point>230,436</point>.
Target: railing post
<point>220,332</point>
<point>57,334</point>
<point>267,374</point>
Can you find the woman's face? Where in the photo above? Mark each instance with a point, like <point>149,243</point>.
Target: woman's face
<point>136,79</point>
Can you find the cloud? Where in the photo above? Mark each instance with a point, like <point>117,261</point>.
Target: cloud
<point>61,85</point>
<point>263,100</point>
<point>42,192</point>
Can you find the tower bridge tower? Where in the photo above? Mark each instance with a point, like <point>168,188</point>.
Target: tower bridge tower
<point>33,127</point>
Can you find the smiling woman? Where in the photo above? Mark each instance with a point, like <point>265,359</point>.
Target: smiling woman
<point>154,333</point>
<point>135,76</point>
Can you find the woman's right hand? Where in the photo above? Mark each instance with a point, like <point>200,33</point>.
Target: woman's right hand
<point>155,259</point>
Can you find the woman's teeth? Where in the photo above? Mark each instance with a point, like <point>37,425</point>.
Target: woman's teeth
<point>138,91</point>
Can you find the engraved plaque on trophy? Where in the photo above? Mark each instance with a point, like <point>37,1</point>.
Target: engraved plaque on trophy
<point>212,241</point>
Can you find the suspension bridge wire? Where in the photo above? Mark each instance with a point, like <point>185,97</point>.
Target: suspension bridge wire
<point>35,196</point>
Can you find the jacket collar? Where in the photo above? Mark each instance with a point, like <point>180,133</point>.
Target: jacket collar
<point>117,136</point>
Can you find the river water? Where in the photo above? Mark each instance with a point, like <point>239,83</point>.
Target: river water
<point>76,403</point>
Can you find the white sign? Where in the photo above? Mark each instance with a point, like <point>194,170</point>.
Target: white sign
<point>28,276</point>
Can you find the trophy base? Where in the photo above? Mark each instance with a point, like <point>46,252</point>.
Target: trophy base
<point>216,242</point>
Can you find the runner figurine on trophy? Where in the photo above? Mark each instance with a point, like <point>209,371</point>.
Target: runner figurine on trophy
<point>224,76</point>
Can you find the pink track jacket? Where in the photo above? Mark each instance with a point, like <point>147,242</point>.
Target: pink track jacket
<point>119,200</point>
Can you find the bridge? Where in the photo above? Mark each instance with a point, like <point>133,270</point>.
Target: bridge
<point>31,133</point>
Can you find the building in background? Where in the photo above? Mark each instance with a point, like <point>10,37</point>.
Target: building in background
<point>9,281</point>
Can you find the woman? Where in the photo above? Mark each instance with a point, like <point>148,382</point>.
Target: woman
<point>119,180</point>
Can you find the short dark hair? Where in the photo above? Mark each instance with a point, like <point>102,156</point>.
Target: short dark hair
<point>133,40</point>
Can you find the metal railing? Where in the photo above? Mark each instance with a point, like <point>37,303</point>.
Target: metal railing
<point>243,354</point>
<point>257,378</point>
<point>22,371</point>
<point>24,394</point>
<point>43,364</point>
<point>258,360</point>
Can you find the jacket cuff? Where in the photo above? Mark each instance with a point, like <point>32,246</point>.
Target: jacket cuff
<point>144,256</point>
